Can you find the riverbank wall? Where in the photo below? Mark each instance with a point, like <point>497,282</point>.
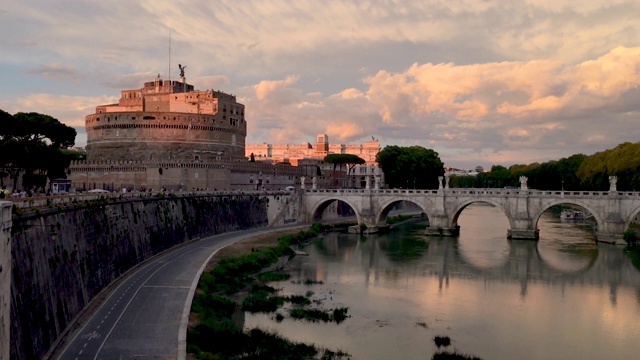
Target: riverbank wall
<point>64,256</point>
<point>5,277</point>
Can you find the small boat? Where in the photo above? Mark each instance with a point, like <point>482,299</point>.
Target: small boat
<point>568,214</point>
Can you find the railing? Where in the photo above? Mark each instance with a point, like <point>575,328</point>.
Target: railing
<point>370,191</point>
<point>476,192</point>
<point>40,201</point>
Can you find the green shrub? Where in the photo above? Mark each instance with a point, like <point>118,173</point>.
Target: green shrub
<point>630,237</point>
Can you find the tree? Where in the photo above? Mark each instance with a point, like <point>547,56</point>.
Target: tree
<point>622,161</point>
<point>343,159</point>
<point>32,143</point>
<point>410,166</point>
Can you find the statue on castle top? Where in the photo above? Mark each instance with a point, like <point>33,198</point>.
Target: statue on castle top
<point>182,69</point>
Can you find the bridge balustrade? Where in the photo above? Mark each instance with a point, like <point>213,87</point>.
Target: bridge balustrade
<point>612,210</point>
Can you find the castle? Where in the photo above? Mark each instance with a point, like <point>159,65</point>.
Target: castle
<point>167,135</point>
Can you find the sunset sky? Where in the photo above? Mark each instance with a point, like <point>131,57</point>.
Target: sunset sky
<point>481,82</point>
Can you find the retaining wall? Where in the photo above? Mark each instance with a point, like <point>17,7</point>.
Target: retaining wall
<point>5,277</point>
<point>63,257</point>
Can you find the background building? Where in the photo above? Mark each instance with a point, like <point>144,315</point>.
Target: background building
<point>305,154</point>
<point>292,153</point>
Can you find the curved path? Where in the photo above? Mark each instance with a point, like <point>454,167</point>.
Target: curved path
<point>146,315</point>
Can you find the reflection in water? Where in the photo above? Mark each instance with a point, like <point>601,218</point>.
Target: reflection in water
<point>482,243</point>
<point>566,246</point>
<point>562,297</point>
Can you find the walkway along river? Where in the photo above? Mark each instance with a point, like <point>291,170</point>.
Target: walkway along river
<point>563,297</point>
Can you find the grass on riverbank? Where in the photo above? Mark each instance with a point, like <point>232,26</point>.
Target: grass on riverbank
<point>338,315</point>
<point>632,250</point>
<point>214,335</point>
<point>445,341</point>
<point>633,253</point>
<point>398,218</point>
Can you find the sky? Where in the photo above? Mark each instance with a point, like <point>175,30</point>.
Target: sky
<point>481,82</point>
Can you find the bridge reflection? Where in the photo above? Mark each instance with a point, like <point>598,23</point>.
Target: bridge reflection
<point>384,258</point>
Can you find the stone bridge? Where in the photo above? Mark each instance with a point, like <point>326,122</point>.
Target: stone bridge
<point>612,210</point>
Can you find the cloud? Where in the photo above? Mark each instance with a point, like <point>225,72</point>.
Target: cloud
<point>211,82</point>
<point>492,80</point>
<point>129,81</point>
<point>266,88</point>
<point>344,130</point>
<point>69,110</point>
<point>57,72</point>
<point>498,108</point>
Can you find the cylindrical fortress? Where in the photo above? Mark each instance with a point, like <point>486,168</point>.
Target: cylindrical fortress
<point>167,121</point>
<point>165,135</point>
<point>158,136</point>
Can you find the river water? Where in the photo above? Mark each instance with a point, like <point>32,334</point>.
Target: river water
<point>563,297</point>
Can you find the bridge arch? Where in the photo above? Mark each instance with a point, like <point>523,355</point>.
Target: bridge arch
<point>386,207</point>
<point>323,204</point>
<point>463,205</point>
<point>547,205</point>
<point>632,215</point>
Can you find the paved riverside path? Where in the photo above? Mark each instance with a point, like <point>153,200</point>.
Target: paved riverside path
<point>146,315</point>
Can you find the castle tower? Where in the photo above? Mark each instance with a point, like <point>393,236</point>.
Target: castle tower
<point>322,145</point>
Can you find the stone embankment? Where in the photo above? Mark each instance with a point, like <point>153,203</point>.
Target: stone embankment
<point>5,277</point>
<point>64,256</point>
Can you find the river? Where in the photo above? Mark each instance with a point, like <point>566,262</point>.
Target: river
<point>562,297</point>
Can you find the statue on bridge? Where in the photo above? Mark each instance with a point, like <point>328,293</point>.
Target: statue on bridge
<point>612,183</point>
<point>376,182</point>
<point>446,182</point>
<point>523,183</point>
<point>302,182</point>
<point>440,182</point>
<point>367,182</point>
<point>314,183</point>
